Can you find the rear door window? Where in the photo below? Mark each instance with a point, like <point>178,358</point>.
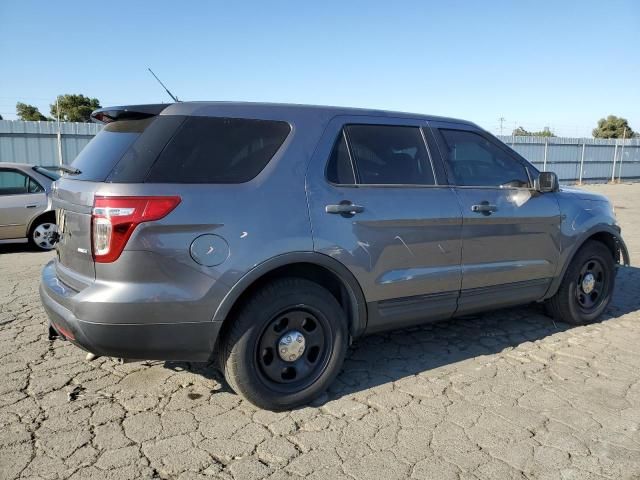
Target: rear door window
<point>340,168</point>
<point>218,150</point>
<point>390,155</point>
<point>35,187</point>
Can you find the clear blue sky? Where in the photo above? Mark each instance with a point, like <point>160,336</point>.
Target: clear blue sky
<point>559,63</point>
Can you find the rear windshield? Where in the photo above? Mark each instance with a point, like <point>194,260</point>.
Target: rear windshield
<point>49,172</point>
<point>101,154</point>
<point>176,149</point>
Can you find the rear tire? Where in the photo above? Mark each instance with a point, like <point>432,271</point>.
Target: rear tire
<point>292,318</point>
<point>587,286</point>
<point>43,234</point>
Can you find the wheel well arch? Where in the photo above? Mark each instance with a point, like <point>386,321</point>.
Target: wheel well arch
<point>333,276</point>
<point>608,237</point>
<point>47,215</point>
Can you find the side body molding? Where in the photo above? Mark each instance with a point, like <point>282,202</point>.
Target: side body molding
<point>359,306</point>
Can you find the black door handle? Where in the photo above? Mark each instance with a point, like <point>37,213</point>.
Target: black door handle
<point>344,208</point>
<point>484,207</point>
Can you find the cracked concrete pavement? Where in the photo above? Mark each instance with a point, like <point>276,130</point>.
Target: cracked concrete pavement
<point>505,395</point>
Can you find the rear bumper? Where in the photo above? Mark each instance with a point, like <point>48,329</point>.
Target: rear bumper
<point>151,341</point>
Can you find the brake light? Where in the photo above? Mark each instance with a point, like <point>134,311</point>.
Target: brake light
<point>115,218</point>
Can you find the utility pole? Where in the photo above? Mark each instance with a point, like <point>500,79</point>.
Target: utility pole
<point>59,133</point>
<point>615,155</point>
<point>582,162</point>
<point>502,120</point>
<point>624,134</point>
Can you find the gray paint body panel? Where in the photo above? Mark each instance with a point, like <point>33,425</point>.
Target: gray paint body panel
<point>414,254</point>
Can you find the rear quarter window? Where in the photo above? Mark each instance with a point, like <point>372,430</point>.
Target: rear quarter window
<point>218,150</point>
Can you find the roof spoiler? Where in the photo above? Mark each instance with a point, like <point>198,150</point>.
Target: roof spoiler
<point>127,112</point>
<point>62,168</point>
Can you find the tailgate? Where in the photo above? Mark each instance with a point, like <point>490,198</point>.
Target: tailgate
<point>73,201</point>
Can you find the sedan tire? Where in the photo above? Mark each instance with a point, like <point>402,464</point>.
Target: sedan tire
<point>43,234</point>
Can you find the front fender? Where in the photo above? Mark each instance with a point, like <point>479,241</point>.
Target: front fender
<point>578,241</point>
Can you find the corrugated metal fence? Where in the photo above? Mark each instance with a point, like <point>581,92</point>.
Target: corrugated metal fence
<point>586,159</point>
<point>37,142</point>
<point>573,159</point>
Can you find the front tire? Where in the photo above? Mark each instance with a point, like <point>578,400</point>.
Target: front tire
<point>587,286</point>
<point>286,345</point>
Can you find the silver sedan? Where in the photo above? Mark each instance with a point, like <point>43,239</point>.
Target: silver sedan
<point>25,205</point>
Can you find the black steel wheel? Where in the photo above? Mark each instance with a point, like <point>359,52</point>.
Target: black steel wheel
<point>293,350</point>
<point>286,345</point>
<point>591,285</point>
<point>587,286</point>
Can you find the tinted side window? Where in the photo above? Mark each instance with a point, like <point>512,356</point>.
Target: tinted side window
<point>218,150</point>
<point>339,168</point>
<point>475,161</point>
<point>13,183</point>
<point>35,187</point>
<point>390,155</point>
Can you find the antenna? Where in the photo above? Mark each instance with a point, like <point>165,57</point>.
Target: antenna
<point>175,99</point>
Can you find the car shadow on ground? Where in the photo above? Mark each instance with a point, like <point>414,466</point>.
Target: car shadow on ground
<point>19,248</point>
<point>383,358</point>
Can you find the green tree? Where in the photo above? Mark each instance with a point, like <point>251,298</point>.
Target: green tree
<point>521,132</point>
<point>546,132</point>
<point>29,112</point>
<point>613,127</point>
<point>1,117</point>
<point>74,108</point>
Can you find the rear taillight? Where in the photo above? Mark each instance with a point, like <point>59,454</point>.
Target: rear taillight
<point>115,218</point>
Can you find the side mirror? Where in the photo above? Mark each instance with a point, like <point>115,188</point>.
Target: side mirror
<point>547,182</point>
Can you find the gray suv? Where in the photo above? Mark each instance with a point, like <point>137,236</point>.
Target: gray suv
<point>269,236</point>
